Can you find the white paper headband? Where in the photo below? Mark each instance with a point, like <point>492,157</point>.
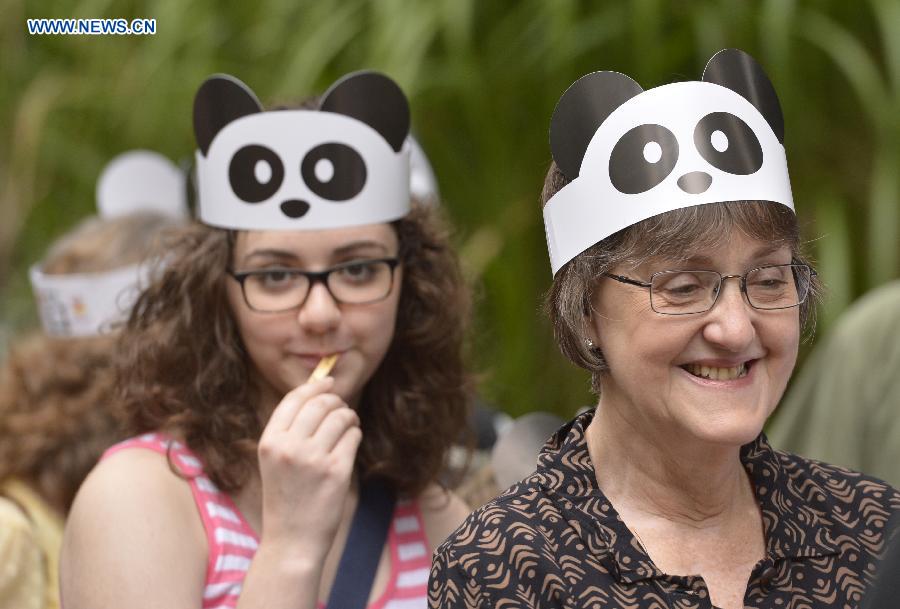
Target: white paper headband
<point>345,164</point>
<point>86,304</point>
<point>631,154</point>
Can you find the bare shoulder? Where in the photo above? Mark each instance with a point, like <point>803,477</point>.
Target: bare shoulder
<point>133,537</point>
<point>442,512</point>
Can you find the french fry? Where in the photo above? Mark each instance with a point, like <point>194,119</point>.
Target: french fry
<point>323,367</point>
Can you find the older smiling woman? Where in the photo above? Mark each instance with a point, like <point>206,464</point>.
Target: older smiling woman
<point>679,283</point>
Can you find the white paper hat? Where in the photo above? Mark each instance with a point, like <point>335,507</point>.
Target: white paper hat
<point>632,154</point>
<point>86,304</point>
<point>142,181</point>
<point>345,164</point>
<point>422,181</point>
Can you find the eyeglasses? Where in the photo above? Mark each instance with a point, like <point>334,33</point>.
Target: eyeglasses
<point>273,290</point>
<point>684,292</point>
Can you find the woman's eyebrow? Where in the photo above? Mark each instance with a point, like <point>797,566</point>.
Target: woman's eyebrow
<point>769,248</point>
<point>359,245</point>
<point>271,254</point>
<point>761,252</point>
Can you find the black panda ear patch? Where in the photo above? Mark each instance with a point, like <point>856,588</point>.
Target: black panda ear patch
<point>581,109</point>
<point>220,100</point>
<point>738,71</point>
<point>374,99</point>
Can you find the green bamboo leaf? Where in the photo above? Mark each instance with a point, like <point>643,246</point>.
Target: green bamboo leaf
<point>776,24</point>
<point>835,253</point>
<point>852,59</point>
<point>887,15</point>
<point>646,21</point>
<point>317,45</point>
<point>884,216</point>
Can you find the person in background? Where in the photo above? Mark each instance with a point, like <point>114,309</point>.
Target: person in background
<point>57,385</point>
<point>844,405</point>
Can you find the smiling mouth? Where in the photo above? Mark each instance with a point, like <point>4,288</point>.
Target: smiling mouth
<point>718,374</point>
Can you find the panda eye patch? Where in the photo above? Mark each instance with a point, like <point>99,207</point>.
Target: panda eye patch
<point>728,143</point>
<point>255,173</point>
<point>334,171</point>
<point>642,158</point>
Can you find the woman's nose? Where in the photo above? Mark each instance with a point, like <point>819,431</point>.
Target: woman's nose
<point>730,323</point>
<point>320,312</point>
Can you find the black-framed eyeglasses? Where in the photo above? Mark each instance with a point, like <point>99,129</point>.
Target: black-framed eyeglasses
<point>273,290</point>
<point>686,292</point>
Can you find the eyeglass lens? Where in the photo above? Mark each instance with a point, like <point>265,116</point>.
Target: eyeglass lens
<point>282,289</point>
<point>770,287</point>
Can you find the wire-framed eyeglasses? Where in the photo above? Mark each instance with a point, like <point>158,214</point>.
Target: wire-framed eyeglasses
<point>273,290</point>
<point>686,292</point>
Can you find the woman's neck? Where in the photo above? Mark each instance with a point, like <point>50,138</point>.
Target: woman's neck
<point>665,475</point>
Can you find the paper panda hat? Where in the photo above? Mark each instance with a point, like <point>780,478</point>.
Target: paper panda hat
<point>345,164</point>
<point>632,154</point>
<point>87,304</point>
<point>422,181</point>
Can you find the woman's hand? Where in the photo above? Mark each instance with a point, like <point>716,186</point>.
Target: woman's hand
<point>306,457</point>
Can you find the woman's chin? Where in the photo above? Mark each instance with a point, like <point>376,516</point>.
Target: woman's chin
<point>726,429</point>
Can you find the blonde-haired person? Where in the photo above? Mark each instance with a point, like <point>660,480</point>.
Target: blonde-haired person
<point>250,476</point>
<point>679,283</point>
<point>56,396</point>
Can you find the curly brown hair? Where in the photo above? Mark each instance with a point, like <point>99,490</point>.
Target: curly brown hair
<point>676,234</point>
<point>55,412</point>
<point>56,393</point>
<point>184,370</point>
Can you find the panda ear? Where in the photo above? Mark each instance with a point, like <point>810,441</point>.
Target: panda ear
<point>738,71</point>
<point>220,100</point>
<point>374,99</point>
<point>581,110</point>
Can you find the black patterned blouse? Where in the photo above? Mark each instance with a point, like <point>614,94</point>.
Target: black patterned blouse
<point>554,540</point>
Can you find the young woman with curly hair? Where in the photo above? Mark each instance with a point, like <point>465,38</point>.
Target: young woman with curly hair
<point>56,419</point>
<point>215,370</point>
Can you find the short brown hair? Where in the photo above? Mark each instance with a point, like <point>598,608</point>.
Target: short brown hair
<point>183,368</point>
<point>675,234</point>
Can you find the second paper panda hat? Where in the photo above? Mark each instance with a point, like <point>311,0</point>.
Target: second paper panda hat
<point>344,164</point>
<point>88,304</point>
<point>632,154</point>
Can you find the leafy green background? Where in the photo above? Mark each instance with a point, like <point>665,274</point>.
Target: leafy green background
<point>483,78</point>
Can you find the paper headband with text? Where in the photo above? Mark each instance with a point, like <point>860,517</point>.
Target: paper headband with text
<point>345,164</point>
<point>86,304</point>
<point>632,154</point>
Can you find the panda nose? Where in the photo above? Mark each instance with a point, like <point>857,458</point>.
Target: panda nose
<point>294,208</point>
<point>695,182</point>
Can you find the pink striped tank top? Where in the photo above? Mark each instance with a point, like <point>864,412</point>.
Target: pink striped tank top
<point>232,542</point>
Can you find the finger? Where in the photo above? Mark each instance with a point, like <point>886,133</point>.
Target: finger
<point>313,412</point>
<point>286,411</point>
<point>345,449</point>
<point>333,427</point>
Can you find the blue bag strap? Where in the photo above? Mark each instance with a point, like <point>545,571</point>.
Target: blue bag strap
<point>359,561</point>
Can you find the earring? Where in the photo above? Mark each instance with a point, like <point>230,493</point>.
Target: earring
<point>589,343</point>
